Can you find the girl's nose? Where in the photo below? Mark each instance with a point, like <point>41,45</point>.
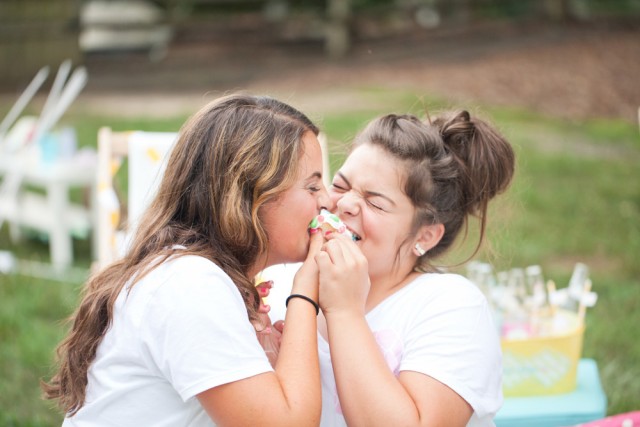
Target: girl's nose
<point>324,200</point>
<point>347,204</point>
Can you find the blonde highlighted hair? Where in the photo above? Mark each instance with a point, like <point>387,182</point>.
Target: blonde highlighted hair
<point>233,156</point>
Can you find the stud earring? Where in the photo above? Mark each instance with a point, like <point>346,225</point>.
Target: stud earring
<point>420,250</point>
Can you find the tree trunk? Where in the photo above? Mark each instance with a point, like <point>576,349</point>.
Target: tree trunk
<point>337,34</point>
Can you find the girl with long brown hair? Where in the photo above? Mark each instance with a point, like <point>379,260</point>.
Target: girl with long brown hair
<point>166,336</point>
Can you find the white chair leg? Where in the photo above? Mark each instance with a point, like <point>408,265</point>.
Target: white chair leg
<point>60,242</point>
<point>15,233</point>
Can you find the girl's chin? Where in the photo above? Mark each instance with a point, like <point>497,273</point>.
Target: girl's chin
<point>292,258</point>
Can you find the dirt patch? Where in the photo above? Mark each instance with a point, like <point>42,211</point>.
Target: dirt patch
<point>573,73</point>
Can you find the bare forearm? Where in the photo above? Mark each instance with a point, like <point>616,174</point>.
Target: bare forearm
<point>370,395</point>
<point>297,367</point>
<point>298,357</point>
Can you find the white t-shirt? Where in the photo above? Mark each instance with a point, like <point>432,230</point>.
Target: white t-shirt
<point>181,330</point>
<point>439,325</point>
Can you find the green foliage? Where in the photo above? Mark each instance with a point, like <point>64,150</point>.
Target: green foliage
<point>575,198</point>
<point>613,7</point>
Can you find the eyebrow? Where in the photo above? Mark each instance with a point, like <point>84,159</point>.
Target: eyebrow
<point>316,175</point>
<point>367,193</point>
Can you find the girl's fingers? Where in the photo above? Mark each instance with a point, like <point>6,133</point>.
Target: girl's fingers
<point>323,260</point>
<point>264,308</point>
<point>344,241</point>
<point>334,249</point>
<point>342,249</point>
<point>264,288</point>
<point>279,325</point>
<point>315,244</point>
<point>262,325</point>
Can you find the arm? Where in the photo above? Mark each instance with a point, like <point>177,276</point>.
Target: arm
<point>370,395</point>
<point>290,396</point>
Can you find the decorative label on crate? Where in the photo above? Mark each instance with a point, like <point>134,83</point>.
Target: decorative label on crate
<point>544,365</point>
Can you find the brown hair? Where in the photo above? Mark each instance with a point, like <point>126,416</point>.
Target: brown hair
<point>233,156</point>
<point>454,166</point>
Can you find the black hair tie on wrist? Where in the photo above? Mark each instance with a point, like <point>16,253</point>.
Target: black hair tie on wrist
<point>304,297</point>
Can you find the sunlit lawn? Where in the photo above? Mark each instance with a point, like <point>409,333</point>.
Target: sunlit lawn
<point>576,198</point>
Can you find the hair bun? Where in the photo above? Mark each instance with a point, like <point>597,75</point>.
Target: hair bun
<point>486,158</point>
<point>457,130</point>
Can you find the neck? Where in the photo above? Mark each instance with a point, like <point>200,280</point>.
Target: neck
<point>385,286</point>
<point>259,265</point>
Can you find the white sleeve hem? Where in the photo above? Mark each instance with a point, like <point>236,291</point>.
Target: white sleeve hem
<point>482,406</point>
<point>228,377</point>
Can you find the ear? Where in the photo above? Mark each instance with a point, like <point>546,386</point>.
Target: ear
<point>428,237</point>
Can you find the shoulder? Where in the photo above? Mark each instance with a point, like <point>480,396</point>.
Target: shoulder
<point>452,289</point>
<point>189,271</point>
<point>186,265</point>
<point>189,293</point>
<point>444,304</point>
<point>436,303</point>
<point>442,279</point>
<point>188,279</point>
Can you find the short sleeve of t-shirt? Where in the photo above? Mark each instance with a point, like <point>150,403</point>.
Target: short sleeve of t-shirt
<point>195,329</point>
<point>454,341</point>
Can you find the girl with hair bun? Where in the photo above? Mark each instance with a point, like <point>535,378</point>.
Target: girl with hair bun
<point>399,342</point>
<point>167,336</point>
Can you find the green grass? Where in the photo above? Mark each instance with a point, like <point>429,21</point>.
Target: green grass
<point>30,327</point>
<point>575,198</point>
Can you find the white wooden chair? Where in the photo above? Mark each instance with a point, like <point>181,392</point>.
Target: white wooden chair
<point>23,165</point>
<point>146,154</point>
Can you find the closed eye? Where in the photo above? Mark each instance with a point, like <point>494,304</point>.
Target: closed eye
<point>340,183</point>
<point>374,205</point>
<point>337,187</point>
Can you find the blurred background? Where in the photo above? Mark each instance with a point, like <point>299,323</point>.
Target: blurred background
<point>560,78</point>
